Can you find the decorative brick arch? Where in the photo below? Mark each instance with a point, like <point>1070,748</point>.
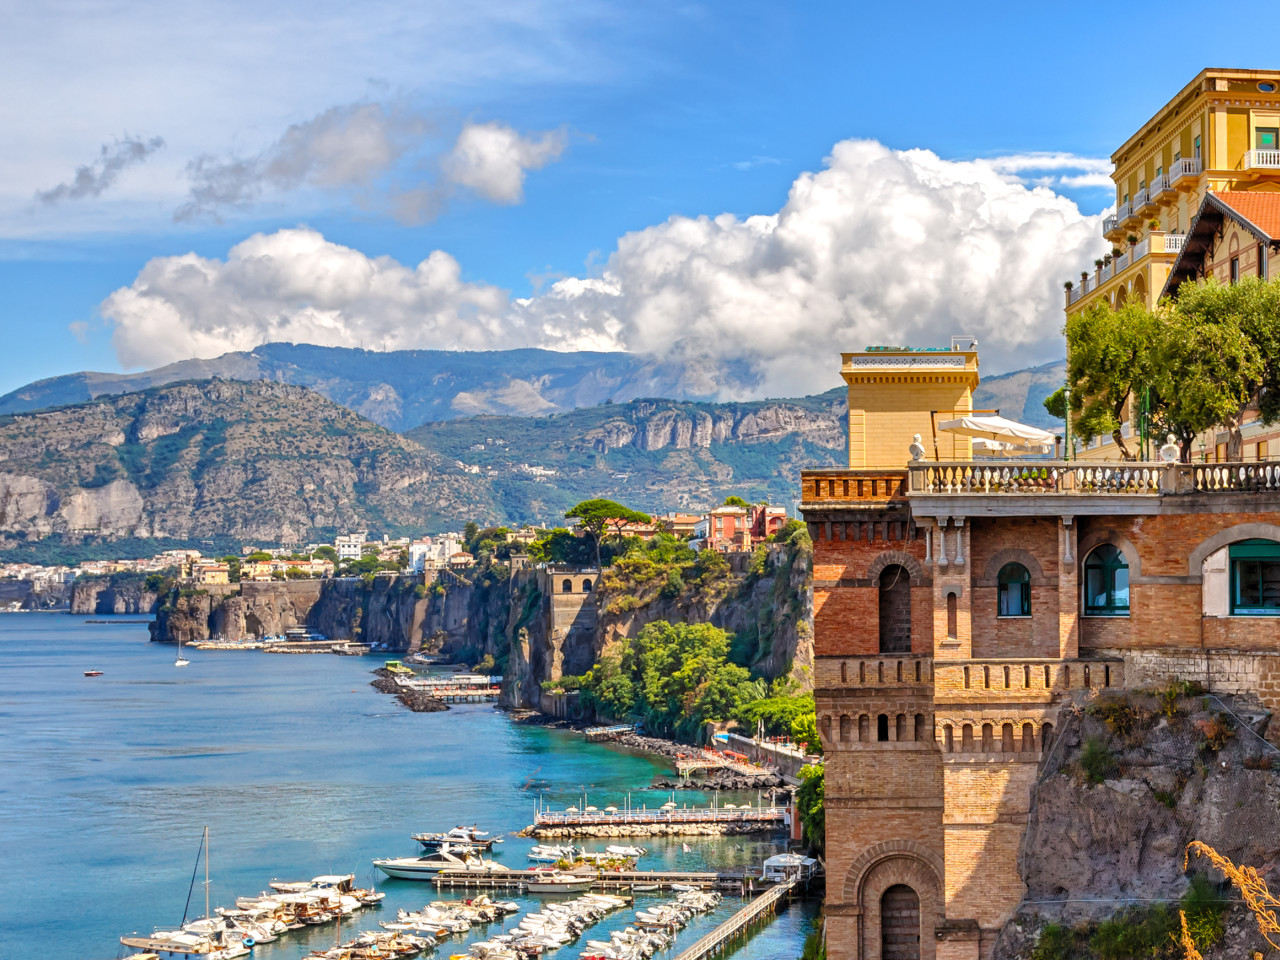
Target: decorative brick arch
<point>1241,531</point>
<point>886,865</point>
<point>1012,555</point>
<point>1116,539</point>
<point>855,879</point>
<point>899,558</point>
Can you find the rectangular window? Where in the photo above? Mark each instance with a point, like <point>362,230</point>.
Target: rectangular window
<point>1235,269</point>
<point>1177,155</point>
<point>1265,138</point>
<point>1255,578</point>
<point>1196,149</point>
<point>1262,449</point>
<point>1159,172</point>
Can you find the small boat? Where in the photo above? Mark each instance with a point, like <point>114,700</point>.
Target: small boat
<point>181,661</point>
<point>560,883</point>
<point>621,851</point>
<point>459,838</point>
<point>643,887</point>
<point>93,673</point>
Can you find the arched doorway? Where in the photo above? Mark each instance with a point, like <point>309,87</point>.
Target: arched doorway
<point>900,924</point>
<point>895,610</point>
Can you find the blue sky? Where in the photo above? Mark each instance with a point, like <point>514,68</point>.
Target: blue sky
<point>524,141</point>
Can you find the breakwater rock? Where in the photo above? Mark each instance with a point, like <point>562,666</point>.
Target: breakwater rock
<point>415,700</point>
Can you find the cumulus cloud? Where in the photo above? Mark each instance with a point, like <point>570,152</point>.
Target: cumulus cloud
<point>492,159</point>
<point>294,285</point>
<point>881,246</point>
<point>93,179</point>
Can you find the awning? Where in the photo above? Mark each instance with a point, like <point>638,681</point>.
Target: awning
<point>998,429</point>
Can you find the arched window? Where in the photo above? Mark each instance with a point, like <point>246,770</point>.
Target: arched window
<point>895,610</point>
<point>900,922</point>
<point>1255,578</point>
<point>1106,583</point>
<point>567,586</point>
<point>1013,591</point>
<point>586,586</point>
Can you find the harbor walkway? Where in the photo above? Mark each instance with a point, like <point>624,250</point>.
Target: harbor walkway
<point>605,880</point>
<point>648,821</point>
<point>715,941</point>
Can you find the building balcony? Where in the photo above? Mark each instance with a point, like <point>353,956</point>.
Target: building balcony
<point>1149,199</point>
<point>1110,224</point>
<point>1156,243</point>
<point>1011,478</point>
<point>1261,160</point>
<point>1182,173</point>
<point>1161,189</point>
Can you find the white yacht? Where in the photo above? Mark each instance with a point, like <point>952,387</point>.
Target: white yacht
<point>424,868</point>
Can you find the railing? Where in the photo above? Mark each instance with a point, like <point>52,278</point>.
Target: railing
<point>550,818</point>
<point>1248,477</point>
<point>1186,167</point>
<point>1158,186</point>
<point>1254,159</point>
<point>1140,199</point>
<point>1140,249</point>
<point>1090,478</point>
<point>1173,242</point>
<point>1036,477</point>
<point>714,941</point>
<point>1109,224</point>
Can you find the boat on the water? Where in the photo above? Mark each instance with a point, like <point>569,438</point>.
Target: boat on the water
<point>424,868</point>
<point>459,838</point>
<point>181,661</point>
<point>93,673</point>
<point>560,883</point>
<point>552,853</point>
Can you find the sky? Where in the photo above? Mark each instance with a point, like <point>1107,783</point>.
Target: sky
<point>745,187</point>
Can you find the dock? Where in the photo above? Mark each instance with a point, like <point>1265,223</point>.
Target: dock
<point>644,822</point>
<point>714,760</point>
<point>715,941</point>
<point>603,880</point>
<point>597,734</point>
<point>457,688</point>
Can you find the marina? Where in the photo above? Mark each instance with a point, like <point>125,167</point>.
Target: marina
<point>668,820</point>
<point>220,744</point>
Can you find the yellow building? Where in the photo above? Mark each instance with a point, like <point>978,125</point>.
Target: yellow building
<point>1220,133</point>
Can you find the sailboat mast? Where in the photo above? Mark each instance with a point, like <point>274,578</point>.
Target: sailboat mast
<point>206,873</point>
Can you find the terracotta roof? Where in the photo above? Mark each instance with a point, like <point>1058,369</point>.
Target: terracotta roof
<point>1259,207</point>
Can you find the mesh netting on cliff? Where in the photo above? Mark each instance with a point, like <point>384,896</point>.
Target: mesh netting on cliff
<point>1131,779</point>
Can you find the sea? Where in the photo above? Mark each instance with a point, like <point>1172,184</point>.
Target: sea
<point>298,768</point>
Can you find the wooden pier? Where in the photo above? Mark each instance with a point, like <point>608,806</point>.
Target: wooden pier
<point>740,923</point>
<point>597,734</point>
<point>603,880</point>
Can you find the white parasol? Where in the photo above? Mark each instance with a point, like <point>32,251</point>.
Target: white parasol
<point>998,429</point>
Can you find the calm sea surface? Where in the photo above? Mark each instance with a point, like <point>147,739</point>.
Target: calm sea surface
<point>297,766</point>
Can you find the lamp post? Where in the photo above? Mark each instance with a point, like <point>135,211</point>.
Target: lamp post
<point>1066,396</point>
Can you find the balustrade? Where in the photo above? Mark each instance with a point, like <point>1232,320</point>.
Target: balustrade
<point>1248,477</point>
<point>1184,167</point>
<point>1032,477</point>
<point>1266,159</point>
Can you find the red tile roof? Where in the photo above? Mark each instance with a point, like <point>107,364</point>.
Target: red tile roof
<point>1260,207</point>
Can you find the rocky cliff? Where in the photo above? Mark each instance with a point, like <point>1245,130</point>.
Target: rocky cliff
<point>1130,780</point>
<point>220,459</point>
<point>507,616</point>
<point>108,595</point>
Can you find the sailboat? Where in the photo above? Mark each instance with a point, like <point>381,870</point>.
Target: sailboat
<point>181,661</point>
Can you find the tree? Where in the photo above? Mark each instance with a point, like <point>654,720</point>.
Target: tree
<point>598,515</point>
<point>326,553</point>
<point>469,532</point>
<point>804,731</point>
<point>233,567</point>
<point>811,804</point>
<point>258,556</point>
<point>736,501</point>
<point>1110,353</point>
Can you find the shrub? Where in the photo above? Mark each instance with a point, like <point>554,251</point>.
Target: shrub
<point>1117,713</point>
<point>674,585</point>
<point>1096,761</point>
<point>1204,906</point>
<point>1136,932</point>
<point>1216,730</point>
<point>1056,942</point>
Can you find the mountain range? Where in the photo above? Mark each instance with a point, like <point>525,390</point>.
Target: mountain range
<point>268,460</point>
<point>404,388</point>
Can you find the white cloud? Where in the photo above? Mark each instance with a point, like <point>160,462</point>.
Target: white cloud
<point>881,246</point>
<point>492,159</point>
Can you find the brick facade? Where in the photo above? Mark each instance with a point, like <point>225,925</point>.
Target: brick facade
<point>932,752</point>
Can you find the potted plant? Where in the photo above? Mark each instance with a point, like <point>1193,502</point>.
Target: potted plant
<point>1084,277</point>
<point>1133,239</point>
<point>1106,261</point>
<point>1153,224</point>
<point>1068,285</point>
<point>1115,253</point>
<point>1099,262</point>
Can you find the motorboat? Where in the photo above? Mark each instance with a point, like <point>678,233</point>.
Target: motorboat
<point>560,883</point>
<point>424,868</point>
<point>93,673</point>
<point>620,851</point>
<point>552,853</point>
<point>459,838</point>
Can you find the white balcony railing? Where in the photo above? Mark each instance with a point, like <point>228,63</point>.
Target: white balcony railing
<point>1173,243</point>
<point>1140,199</point>
<point>1185,167</point>
<point>1158,186</point>
<point>1255,159</point>
<point>1141,249</point>
<point>1123,212</point>
<point>1109,224</point>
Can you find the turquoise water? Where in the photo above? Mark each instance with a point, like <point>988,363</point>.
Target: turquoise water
<point>297,766</point>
